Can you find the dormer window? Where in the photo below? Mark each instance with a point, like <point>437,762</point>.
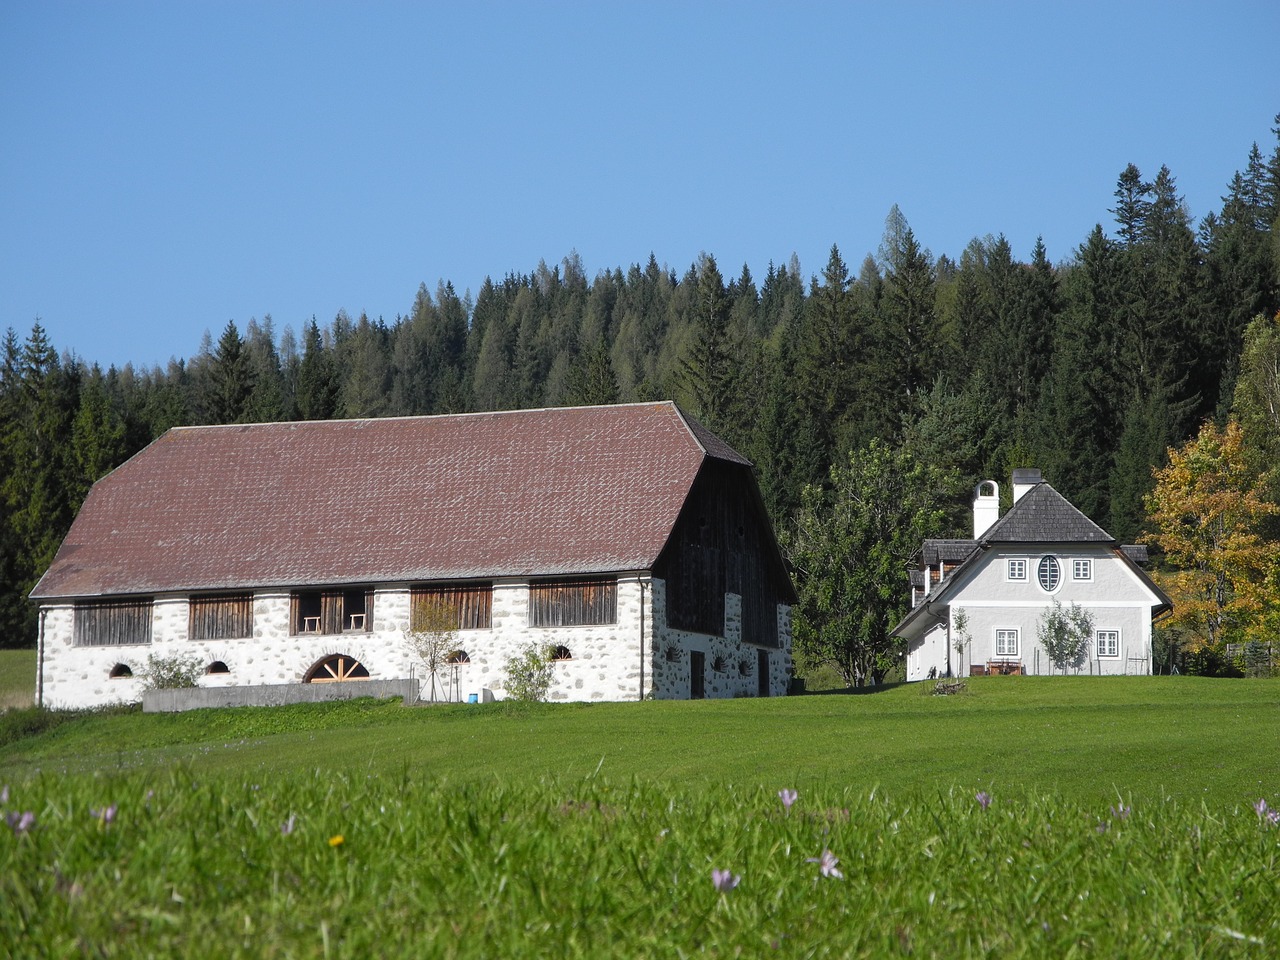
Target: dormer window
<point>1049,573</point>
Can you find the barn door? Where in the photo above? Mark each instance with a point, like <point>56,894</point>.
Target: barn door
<point>762,672</point>
<point>697,673</point>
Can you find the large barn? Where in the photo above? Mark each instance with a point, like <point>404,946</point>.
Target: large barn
<point>627,539</point>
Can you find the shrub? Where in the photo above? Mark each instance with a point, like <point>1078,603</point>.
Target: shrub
<point>1211,661</point>
<point>176,672</point>
<point>529,674</point>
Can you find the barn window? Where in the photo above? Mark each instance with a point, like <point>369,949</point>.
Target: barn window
<point>331,611</point>
<point>673,655</point>
<point>471,603</point>
<point>220,617</point>
<point>217,667</point>
<point>458,656</point>
<point>336,667</point>
<point>120,671</point>
<point>561,653</point>
<point>109,623</point>
<point>573,603</point>
<point>744,668</point>
<point>718,665</point>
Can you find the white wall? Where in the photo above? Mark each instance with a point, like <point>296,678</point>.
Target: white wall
<point>1114,597</point>
<point>606,660</point>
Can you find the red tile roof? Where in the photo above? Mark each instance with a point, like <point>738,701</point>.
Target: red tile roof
<point>523,493</point>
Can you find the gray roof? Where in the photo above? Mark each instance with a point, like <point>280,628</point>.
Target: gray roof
<point>1043,515</point>
<point>1137,552</point>
<point>947,551</point>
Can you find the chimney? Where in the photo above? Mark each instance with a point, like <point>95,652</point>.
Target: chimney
<point>1024,478</point>
<point>986,507</point>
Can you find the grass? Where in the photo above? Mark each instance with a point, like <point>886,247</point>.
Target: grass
<point>17,678</point>
<point>356,865</point>
<point>1120,824</point>
<point>1079,738</point>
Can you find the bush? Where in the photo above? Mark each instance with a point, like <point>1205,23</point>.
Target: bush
<point>177,672</point>
<point>1211,662</point>
<point>529,675</point>
<point>20,723</point>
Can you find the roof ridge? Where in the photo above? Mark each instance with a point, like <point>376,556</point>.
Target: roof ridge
<point>425,416</point>
<point>1044,494</point>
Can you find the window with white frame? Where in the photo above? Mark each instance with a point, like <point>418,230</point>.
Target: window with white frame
<point>1018,569</point>
<point>1082,569</point>
<point>1049,573</point>
<point>1108,643</point>
<point>1007,643</point>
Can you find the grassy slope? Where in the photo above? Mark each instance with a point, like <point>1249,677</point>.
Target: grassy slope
<point>17,678</point>
<point>1081,738</point>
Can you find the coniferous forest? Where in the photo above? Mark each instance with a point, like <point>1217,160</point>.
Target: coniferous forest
<point>1090,364</point>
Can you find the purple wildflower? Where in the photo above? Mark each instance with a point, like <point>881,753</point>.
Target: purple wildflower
<point>1273,817</point>
<point>286,828</point>
<point>826,864</point>
<point>1261,808</point>
<point>983,798</point>
<point>788,797</point>
<point>1121,812</point>
<point>107,815</point>
<point>21,822</point>
<point>724,880</point>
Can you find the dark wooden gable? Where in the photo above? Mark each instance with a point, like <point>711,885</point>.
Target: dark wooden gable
<point>723,543</point>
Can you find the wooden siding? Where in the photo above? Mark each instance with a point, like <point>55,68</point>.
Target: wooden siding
<point>221,617</point>
<point>723,543</point>
<point>109,623</point>
<point>573,603</point>
<point>473,603</point>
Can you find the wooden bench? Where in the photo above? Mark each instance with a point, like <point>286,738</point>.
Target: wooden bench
<point>1004,668</point>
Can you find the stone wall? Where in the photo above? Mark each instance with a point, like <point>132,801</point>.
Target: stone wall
<point>638,656</point>
<point>275,695</point>
<point>730,666</point>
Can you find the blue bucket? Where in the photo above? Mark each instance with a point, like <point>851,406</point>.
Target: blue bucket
<point>473,698</point>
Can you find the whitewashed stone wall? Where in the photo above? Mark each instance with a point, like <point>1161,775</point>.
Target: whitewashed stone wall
<point>730,666</point>
<point>606,661</point>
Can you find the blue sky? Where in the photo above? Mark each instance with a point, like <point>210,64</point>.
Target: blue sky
<point>167,167</point>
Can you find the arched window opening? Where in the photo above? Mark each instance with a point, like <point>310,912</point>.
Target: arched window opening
<point>673,655</point>
<point>744,668</point>
<point>120,671</point>
<point>561,653</point>
<point>458,656</point>
<point>335,668</point>
<point>217,667</point>
<point>718,665</point>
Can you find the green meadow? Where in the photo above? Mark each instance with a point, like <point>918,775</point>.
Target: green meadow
<point>1023,817</point>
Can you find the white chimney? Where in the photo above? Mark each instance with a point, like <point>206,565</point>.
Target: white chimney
<point>1024,478</point>
<point>986,507</point>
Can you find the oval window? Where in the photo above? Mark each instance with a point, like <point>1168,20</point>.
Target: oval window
<point>1050,574</point>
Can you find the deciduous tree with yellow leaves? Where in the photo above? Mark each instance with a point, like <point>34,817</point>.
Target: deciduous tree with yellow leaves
<point>1206,514</point>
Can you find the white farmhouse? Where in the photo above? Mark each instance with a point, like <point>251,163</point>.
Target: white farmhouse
<point>628,539</point>
<point>1000,584</point>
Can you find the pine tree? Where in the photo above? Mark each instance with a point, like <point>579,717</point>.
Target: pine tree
<point>230,378</point>
<point>317,378</point>
<point>707,371</point>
